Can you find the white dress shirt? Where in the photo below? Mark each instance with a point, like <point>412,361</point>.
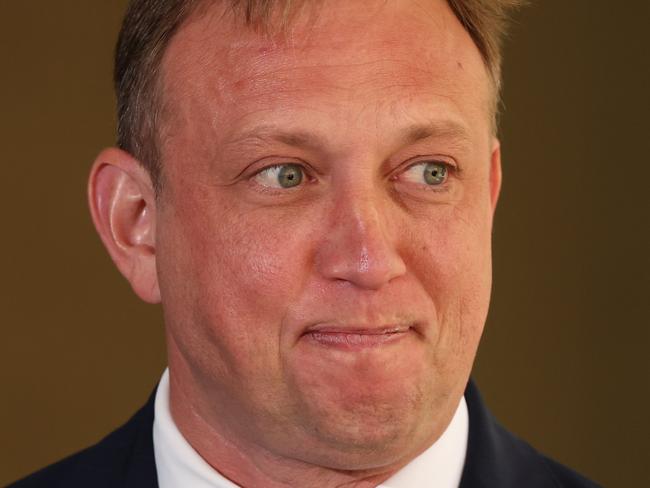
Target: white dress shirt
<point>180,466</point>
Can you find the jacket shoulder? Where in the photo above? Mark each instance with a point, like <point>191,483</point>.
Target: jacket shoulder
<point>565,477</point>
<point>496,457</point>
<point>124,458</point>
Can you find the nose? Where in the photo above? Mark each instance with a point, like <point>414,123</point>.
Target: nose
<point>359,244</point>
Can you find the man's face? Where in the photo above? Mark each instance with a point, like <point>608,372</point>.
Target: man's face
<point>323,232</point>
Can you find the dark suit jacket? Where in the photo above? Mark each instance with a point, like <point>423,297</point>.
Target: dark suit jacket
<point>125,458</point>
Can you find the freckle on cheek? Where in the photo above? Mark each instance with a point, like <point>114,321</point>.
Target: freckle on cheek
<point>240,85</point>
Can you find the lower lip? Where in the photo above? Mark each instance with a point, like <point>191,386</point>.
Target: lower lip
<point>351,341</point>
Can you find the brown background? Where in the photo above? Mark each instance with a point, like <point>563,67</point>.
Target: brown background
<point>565,356</point>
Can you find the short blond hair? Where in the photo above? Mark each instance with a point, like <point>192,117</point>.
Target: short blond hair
<point>149,25</point>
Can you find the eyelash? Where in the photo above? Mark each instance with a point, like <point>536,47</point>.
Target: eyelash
<point>452,170</point>
<point>306,175</point>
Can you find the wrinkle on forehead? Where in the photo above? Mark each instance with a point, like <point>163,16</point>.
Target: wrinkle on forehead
<point>362,22</point>
<point>221,42</point>
<point>216,63</point>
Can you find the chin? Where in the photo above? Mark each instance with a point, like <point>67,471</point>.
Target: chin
<point>371,431</point>
<point>368,449</point>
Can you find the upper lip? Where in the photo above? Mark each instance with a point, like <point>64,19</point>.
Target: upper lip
<point>361,329</point>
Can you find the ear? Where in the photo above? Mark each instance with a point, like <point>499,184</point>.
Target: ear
<point>123,207</point>
<point>495,174</point>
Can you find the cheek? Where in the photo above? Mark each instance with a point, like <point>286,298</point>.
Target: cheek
<point>452,251</point>
<point>453,264</point>
<point>240,271</point>
<point>256,263</point>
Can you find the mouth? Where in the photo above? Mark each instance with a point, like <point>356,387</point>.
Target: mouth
<point>356,338</point>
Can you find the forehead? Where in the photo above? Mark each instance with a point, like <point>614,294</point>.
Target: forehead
<point>349,57</point>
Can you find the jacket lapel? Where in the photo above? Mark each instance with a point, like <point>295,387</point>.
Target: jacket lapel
<point>497,458</point>
<point>140,471</point>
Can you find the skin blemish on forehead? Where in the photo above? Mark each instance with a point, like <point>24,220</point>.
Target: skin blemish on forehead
<point>241,84</point>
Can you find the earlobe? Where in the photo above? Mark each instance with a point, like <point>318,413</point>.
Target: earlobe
<point>123,207</point>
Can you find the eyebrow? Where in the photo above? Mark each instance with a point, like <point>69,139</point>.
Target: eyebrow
<point>447,129</point>
<point>266,133</point>
<point>443,129</point>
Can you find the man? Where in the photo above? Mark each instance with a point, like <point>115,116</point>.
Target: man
<point>308,189</point>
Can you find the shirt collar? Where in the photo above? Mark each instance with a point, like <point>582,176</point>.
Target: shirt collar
<point>179,465</point>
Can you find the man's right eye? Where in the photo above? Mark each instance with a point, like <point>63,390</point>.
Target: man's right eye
<point>280,176</point>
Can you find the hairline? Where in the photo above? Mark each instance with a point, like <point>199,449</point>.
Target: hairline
<point>149,127</point>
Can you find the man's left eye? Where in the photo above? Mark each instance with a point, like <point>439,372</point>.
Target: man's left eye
<point>431,173</point>
<point>281,176</point>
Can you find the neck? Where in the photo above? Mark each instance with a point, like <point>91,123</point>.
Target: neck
<point>239,452</point>
<point>249,464</point>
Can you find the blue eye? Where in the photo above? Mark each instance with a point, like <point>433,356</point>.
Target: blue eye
<point>281,176</point>
<point>432,173</point>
